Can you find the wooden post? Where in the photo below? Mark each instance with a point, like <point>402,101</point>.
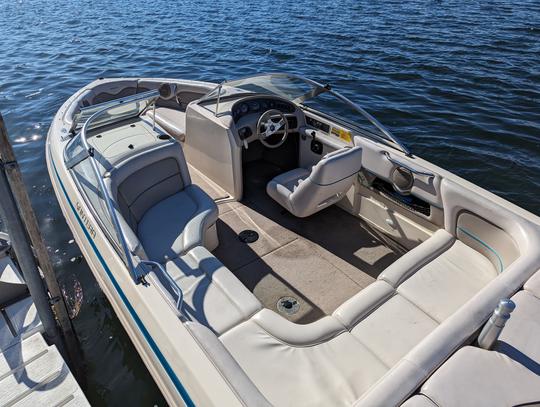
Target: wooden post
<point>22,224</point>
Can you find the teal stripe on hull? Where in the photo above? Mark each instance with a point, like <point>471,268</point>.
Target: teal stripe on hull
<point>170,372</point>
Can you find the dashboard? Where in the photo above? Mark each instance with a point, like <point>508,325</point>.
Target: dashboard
<point>260,105</point>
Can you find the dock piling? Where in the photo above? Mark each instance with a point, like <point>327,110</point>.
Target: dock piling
<point>31,252</point>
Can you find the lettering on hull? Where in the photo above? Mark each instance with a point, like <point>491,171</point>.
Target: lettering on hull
<point>85,220</point>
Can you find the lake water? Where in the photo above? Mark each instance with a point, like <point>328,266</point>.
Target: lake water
<point>458,82</point>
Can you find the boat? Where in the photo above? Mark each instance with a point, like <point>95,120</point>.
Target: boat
<point>267,241</point>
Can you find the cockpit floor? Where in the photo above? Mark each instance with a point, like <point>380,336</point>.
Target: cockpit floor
<point>320,261</point>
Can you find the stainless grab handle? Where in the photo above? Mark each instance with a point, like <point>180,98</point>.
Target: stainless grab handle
<point>177,290</point>
<point>406,166</point>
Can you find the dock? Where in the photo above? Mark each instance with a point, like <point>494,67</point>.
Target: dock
<point>32,373</point>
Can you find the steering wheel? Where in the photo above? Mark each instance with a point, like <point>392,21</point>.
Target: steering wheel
<point>272,123</point>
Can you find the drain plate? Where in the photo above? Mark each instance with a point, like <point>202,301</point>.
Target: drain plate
<point>288,305</point>
<point>248,236</point>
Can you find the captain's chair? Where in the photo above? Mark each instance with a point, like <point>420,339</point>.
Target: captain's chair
<point>304,192</point>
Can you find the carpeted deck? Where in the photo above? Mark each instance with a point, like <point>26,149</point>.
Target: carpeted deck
<point>321,261</point>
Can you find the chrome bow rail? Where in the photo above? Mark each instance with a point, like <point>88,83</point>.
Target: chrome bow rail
<point>149,100</point>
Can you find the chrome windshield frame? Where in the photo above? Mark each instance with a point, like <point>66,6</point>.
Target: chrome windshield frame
<point>322,89</point>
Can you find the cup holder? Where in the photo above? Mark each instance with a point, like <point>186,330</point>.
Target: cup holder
<point>164,137</point>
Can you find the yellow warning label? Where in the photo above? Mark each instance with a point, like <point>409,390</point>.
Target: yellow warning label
<point>343,134</point>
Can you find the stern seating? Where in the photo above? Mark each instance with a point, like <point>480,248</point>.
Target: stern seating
<point>162,213</point>
<point>508,375</point>
<point>213,296</point>
<point>338,358</point>
<point>303,192</point>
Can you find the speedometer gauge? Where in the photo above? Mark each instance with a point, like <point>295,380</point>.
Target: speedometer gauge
<point>244,108</point>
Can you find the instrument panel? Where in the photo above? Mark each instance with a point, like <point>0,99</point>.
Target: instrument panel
<point>260,105</point>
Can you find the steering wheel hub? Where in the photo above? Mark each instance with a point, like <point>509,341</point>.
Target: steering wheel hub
<point>272,123</point>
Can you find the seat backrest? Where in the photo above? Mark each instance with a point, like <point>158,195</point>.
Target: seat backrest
<point>337,166</point>
<point>328,181</point>
<point>147,178</point>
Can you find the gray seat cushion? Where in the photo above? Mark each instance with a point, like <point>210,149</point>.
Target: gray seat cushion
<point>176,224</point>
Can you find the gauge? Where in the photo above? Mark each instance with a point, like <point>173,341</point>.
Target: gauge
<point>264,104</point>
<point>255,106</point>
<point>244,108</point>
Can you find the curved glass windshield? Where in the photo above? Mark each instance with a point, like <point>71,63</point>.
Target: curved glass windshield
<point>284,85</point>
<point>310,96</point>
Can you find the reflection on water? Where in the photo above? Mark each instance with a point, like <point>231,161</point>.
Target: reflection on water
<point>457,81</point>
<point>73,296</point>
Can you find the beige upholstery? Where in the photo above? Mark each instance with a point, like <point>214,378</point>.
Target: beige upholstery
<point>339,358</point>
<point>325,366</point>
<point>213,296</point>
<point>239,382</point>
<point>304,192</point>
<point>533,284</point>
<point>177,224</point>
<point>173,121</point>
<point>162,214</point>
<point>476,377</point>
<point>520,339</point>
<point>419,401</point>
<point>405,377</point>
<point>506,376</point>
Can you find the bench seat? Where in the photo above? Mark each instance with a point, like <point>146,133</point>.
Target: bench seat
<point>173,121</point>
<point>213,296</point>
<point>335,360</point>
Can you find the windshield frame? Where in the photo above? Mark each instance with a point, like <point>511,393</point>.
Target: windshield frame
<point>317,89</point>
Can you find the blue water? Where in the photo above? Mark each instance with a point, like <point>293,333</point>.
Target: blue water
<point>458,81</point>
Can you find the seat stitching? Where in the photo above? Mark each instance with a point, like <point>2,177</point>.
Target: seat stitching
<point>152,186</point>
<point>375,307</point>
<point>421,308</point>
<point>370,350</point>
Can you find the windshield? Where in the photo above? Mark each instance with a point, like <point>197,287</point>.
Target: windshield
<point>115,110</point>
<point>311,96</point>
<point>284,85</point>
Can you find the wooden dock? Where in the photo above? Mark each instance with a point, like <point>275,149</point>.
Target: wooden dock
<point>32,373</point>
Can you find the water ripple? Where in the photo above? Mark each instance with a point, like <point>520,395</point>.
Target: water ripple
<point>458,81</point>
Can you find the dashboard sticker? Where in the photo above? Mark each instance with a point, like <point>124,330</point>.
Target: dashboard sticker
<point>343,134</point>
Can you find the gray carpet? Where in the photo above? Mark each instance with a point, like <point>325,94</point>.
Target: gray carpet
<point>321,261</point>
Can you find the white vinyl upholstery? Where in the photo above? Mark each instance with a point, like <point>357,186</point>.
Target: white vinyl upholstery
<point>476,377</point>
<point>239,382</point>
<point>338,359</point>
<point>325,366</point>
<point>162,213</point>
<point>177,224</point>
<point>520,338</point>
<point>508,375</point>
<point>304,192</point>
<point>173,121</point>
<point>213,296</point>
